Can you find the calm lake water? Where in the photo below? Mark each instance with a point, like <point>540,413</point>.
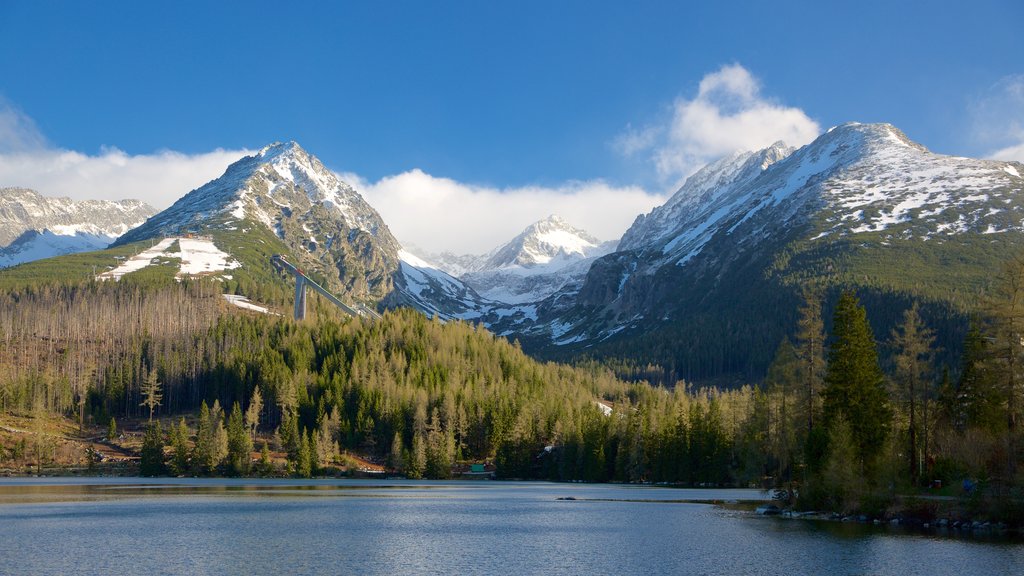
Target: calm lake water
<point>129,526</point>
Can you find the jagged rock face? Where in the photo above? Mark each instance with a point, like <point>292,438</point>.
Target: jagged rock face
<point>323,221</point>
<point>698,194</point>
<point>22,210</point>
<point>764,222</point>
<point>33,226</point>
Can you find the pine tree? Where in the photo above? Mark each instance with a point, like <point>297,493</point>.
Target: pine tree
<point>266,466</point>
<point>252,413</point>
<point>854,384</point>
<point>782,382</point>
<point>220,436</point>
<point>913,344</point>
<point>151,393</point>
<point>239,442</point>
<point>1006,309</point>
<point>975,402</point>
<point>151,462</point>
<point>112,430</point>
<point>202,457</point>
<point>395,459</point>
<point>416,463</point>
<point>304,461</point>
<point>810,348</point>
<point>179,447</point>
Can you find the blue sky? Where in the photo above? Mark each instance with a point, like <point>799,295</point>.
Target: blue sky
<point>492,98</point>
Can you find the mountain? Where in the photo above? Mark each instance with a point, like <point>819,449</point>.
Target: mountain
<point>288,201</point>
<point>705,286</point>
<point>708,283</point>
<point>33,226</point>
<point>536,263</point>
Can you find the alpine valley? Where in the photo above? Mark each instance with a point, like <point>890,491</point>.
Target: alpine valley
<point>703,288</point>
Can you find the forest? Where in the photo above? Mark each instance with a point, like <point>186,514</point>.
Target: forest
<point>218,389</point>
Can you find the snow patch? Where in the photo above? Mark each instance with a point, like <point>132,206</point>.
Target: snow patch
<point>198,256</point>
<point>244,303</point>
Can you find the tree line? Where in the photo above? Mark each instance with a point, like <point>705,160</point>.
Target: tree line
<point>832,420</point>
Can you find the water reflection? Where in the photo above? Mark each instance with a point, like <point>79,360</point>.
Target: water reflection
<point>278,527</point>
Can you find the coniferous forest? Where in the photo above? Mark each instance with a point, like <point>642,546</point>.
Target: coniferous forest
<point>218,391</point>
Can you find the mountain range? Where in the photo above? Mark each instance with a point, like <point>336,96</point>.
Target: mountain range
<point>705,286</point>
<point>33,226</point>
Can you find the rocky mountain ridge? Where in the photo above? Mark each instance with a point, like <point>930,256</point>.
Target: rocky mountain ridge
<point>33,226</point>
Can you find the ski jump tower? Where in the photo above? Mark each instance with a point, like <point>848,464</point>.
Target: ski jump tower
<point>301,281</point>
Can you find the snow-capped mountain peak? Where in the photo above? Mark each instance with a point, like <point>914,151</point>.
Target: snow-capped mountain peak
<point>544,242</point>
<point>322,220</point>
<point>704,189</point>
<point>276,183</point>
<point>33,226</point>
<point>543,259</point>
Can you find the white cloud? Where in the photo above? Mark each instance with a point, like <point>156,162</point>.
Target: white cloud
<point>998,119</point>
<point>26,160</point>
<point>158,179</point>
<point>18,132</point>
<point>432,213</point>
<point>440,214</point>
<point>727,115</point>
<point>1009,153</point>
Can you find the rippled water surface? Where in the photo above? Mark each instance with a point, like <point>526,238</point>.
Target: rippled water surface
<point>126,526</point>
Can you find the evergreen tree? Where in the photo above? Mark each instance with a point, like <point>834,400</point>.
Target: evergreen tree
<point>304,461</point>
<point>782,383</point>
<point>416,463</point>
<point>841,475</point>
<point>203,453</point>
<point>440,447</point>
<point>179,447</point>
<point>252,413</point>
<point>266,467</point>
<point>974,402</point>
<point>112,430</point>
<point>327,448</point>
<point>1005,307</point>
<point>395,458</point>
<point>854,384</point>
<point>151,393</point>
<point>239,442</point>
<point>913,342</point>
<point>810,348</point>
<point>220,439</point>
<point>151,462</point>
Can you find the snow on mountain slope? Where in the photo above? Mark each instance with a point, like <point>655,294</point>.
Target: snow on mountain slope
<point>34,245</point>
<point>697,201</point>
<point>856,187</point>
<point>861,177</point>
<point>322,221</point>
<point>280,181</point>
<point>538,262</point>
<point>33,226</point>
<point>552,240</point>
<point>197,256</point>
<point>423,286</point>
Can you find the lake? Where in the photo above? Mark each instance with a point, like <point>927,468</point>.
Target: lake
<point>215,526</point>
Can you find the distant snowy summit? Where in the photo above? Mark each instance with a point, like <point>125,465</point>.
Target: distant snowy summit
<point>548,242</point>
<point>540,261</point>
<point>33,226</point>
